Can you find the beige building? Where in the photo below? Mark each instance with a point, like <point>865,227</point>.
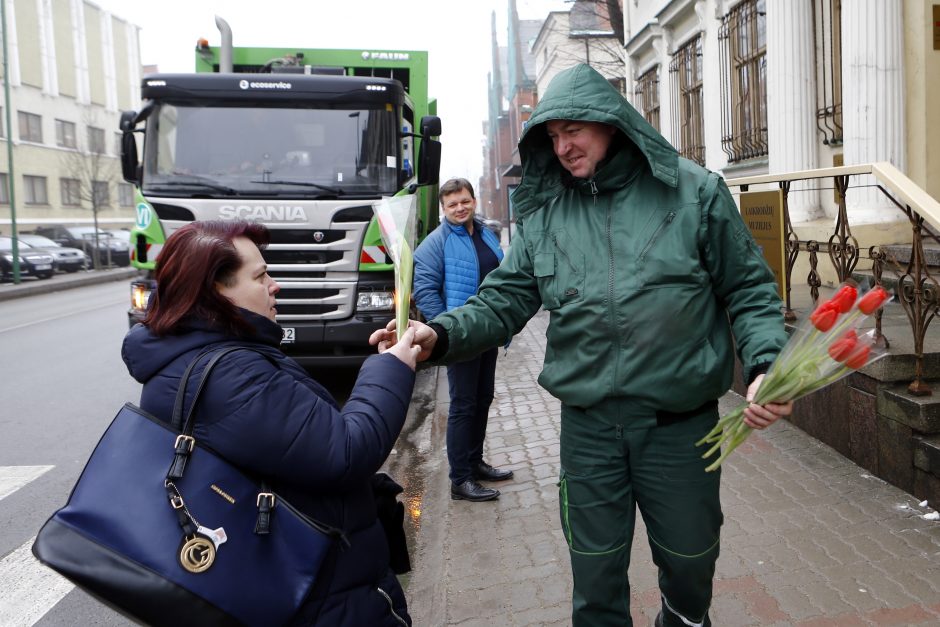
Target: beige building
<point>73,68</point>
<point>581,35</point>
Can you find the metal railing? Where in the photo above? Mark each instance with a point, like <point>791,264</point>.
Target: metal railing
<point>918,291</point>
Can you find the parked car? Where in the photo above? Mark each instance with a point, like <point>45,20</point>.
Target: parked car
<point>494,225</point>
<point>83,237</point>
<point>32,263</point>
<point>65,259</point>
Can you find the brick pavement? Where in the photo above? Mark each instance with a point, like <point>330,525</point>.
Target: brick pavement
<point>810,539</point>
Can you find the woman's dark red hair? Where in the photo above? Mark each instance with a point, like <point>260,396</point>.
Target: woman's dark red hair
<point>193,259</point>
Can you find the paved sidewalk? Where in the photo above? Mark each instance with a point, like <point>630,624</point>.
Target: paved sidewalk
<point>810,539</point>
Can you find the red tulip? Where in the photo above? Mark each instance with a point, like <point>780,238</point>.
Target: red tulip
<point>824,316</point>
<point>844,298</point>
<point>859,357</point>
<point>871,301</point>
<point>842,348</point>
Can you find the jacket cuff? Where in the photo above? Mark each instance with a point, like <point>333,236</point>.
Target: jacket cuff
<point>442,344</point>
<point>756,370</point>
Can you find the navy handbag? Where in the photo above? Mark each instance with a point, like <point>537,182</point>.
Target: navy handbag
<point>167,532</point>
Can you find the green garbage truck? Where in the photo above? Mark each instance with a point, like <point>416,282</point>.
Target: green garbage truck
<point>303,141</point>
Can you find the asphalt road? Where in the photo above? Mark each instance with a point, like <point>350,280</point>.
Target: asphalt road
<point>63,380</point>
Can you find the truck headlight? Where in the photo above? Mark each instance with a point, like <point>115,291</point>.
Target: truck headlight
<point>375,301</point>
<point>140,296</point>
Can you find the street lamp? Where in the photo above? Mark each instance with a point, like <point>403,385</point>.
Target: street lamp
<point>6,96</point>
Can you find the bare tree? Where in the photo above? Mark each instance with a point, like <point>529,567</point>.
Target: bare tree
<point>599,26</point>
<point>92,170</point>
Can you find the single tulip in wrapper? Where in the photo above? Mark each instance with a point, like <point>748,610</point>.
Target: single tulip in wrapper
<point>396,217</point>
<point>826,346</point>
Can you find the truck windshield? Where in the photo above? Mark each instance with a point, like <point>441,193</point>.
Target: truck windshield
<point>263,151</point>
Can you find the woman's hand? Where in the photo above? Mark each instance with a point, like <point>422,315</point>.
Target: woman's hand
<point>424,337</point>
<point>762,416</point>
<point>405,350</point>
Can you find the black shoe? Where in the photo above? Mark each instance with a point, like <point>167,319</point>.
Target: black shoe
<point>485,472</point>
<point>659,620</point>
<point>470,490</point>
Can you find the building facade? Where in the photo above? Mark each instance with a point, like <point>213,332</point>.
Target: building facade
<point>73,68</point>
<point>750,87</point>
<point>536,51</point>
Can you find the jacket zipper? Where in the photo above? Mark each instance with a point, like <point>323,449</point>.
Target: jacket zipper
<point>669,218</point>
<point>391,607</point>
<point>611,313</point>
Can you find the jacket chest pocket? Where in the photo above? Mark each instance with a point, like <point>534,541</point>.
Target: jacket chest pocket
<point>559,269</point>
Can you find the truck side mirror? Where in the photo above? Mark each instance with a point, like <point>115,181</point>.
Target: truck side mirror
<point>129,165</point>
<point>429,153</point>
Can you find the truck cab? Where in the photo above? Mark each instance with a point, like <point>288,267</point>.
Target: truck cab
<point>304,154</point>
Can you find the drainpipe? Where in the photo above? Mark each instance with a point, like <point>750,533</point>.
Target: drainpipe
<point>225,49</point>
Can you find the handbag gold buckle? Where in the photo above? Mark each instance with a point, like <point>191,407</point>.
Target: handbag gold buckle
<point>188,439</point>
<point>267,496</point>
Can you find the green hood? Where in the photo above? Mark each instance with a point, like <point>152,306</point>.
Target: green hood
<point>581,93</point>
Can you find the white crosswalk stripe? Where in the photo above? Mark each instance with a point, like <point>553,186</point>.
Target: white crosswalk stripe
<point>12,478</point>
<point>27,588</point>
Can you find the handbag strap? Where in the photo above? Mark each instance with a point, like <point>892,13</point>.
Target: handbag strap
<point>183,447</point>
<point>185,443</point>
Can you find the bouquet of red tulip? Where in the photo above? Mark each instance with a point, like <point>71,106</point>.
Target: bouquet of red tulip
<point>824,348</point>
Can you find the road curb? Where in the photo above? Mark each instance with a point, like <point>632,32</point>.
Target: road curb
<point>65,282</point>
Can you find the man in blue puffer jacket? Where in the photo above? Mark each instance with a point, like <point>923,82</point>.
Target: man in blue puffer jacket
<point>449,266</point>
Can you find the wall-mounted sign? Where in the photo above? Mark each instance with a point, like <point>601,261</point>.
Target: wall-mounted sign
<point>763,214</point>
<point>936,27</point>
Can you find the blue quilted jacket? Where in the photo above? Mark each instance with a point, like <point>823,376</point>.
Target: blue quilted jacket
<point>277,423</point>
<point>447,272</point>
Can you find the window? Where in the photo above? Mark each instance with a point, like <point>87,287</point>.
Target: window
<point>117,143</point>
<point>35,189</point>
<point>71,192</point>
<point>688,128</point>
<point>65,134</point>
<point>827,16</point>
<point>4,189</point>
<point>95,140</point>
<point>647,96</point>
<point>125,195</point>
<point>99,192</point>
<point>30,127</point>
<point>742,39</point>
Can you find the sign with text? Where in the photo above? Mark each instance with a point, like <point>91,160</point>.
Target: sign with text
<point>763,214</point>
<point>936,27</point>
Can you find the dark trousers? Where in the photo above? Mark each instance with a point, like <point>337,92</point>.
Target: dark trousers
<point>471,393</point>
<point>612,463</point>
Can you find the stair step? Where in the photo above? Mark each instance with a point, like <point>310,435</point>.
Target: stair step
<point>902,254</point>
<point>927,454</point>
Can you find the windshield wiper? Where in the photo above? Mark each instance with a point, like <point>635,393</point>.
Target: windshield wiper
<point>191,180</point>
<point>332,190</point>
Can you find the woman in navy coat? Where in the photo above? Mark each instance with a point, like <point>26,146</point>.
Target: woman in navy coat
<point>266,415</point>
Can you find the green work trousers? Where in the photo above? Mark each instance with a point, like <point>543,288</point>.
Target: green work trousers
<point>615,458</point>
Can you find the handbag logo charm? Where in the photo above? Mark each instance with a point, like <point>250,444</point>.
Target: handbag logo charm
<point>197,554</point>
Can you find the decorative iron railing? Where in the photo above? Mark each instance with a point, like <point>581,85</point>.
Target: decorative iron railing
<point>918,291</point>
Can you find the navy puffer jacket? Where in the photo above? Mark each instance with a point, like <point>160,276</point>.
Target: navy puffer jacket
<point>277,423</point>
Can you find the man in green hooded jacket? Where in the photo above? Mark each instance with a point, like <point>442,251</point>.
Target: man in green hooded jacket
<point>651,280</point>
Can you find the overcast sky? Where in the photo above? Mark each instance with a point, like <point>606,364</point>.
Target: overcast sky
<point>456,33</point>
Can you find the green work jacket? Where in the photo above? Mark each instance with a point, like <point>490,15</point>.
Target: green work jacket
<point>647,270</point>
